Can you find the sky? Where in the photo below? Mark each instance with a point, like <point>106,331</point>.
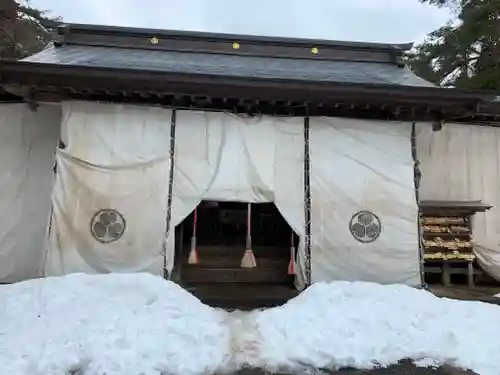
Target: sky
<point>388,21</point>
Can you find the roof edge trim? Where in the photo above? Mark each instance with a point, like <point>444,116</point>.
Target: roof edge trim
<point>162,79</point>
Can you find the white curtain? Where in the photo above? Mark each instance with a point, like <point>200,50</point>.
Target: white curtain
<point>199,140</point>
<point>246,170</point>
<point>111,190</point>
<point>289,182</point>
<point>462,162</point>
<point>356,166</point>
<point>110,195</point>
<point>27,143</point>
<point>226,157</point>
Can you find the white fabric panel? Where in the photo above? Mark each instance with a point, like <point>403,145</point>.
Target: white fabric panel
<point>138,192</point>
<point>289,182</point>
<point>363,165</point>
<point>117,157</point>
<point>198,143</point>
<point>115,135</point>
<point>462,162</point>
<point>27,143</point>
<point>246,169</point>
<point>446,159</point>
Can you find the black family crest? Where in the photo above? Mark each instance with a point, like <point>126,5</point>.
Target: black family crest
<point>365,226</point>
<point>107,225</point>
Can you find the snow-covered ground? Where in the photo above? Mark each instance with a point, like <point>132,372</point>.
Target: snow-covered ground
<point>143,325</point>
<point>112,324</point>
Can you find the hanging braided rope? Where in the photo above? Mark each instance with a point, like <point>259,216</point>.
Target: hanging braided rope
<point>249,227</point>
<point>291,264</point>
<point>307,204</point>
<point>168,219</point>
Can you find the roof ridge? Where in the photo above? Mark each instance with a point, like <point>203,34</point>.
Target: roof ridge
<point>66,29</point>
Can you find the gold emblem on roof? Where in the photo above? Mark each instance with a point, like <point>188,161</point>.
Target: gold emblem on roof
<point>236,45</point>
<point>154,40</point>
<point>314,51</point>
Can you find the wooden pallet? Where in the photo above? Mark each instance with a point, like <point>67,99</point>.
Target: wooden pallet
<point>451,267</point>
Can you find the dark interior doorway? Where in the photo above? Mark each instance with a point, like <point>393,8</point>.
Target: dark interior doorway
<point>221,232</point>
<point>225,223</point>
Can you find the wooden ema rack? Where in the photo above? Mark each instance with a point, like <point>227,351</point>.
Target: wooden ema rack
<point>447,241</point>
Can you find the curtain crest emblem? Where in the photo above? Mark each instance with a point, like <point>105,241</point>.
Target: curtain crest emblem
<point>107,225</point>
<point>365,226</point>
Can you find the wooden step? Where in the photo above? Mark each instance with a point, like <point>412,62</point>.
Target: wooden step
<point>234,262</point>
<point>243,296</point>
<point>245,305</point>
<point>197,274</point>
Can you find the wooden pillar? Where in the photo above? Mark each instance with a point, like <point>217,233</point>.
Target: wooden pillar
<point>446,275</point>
<point>470,274</point>
<point>307,203</point>
<point>168,219</point>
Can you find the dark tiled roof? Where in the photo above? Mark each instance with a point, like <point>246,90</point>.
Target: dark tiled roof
<point>216,64</point>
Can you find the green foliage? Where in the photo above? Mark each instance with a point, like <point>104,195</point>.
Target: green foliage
<point>466,53</point>
<point>24,30</point>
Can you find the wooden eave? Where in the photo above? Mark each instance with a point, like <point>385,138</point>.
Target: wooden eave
<point>60,82</point>
<point>452,207</point>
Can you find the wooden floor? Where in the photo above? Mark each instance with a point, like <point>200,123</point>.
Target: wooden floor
<point>462,292</point>
<point>243,296</point>
<point>219,281</point>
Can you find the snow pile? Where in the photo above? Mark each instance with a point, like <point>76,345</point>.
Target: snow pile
<point>110,324</point>
<point>143,325</point>
<point>362,325</point>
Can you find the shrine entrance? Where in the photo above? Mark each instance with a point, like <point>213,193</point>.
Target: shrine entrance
<point>214,264</point>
